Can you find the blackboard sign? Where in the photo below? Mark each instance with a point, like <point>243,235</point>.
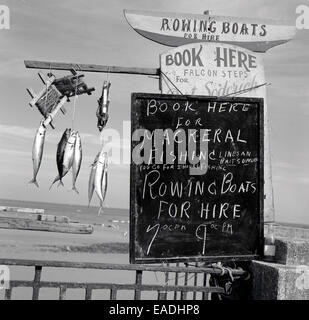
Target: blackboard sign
<point>196,178</point>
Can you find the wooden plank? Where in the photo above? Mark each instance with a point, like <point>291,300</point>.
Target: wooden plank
<point>90,68</point>
<point>111,266</point>
<point>176,78</point>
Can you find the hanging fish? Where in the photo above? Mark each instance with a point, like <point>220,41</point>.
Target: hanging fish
<point>77,160</point>
<point>91,178</point>
<point>102,111</point>
<point>100,179</point>
<point>37,151</point>
<point>60,153</point>
<point>68,156</point>
<point>65,152</point>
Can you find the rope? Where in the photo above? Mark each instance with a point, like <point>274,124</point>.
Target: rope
<point>171,82</point>
<point>107,74</point>
<point>45,103</point>
<point>47,88</point>
<point>74,103</point>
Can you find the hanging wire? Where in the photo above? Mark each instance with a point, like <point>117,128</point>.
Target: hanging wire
<point>171,82</point>
<point>46,94</point>
<point>74,103</point>
<point>247,90</point>
<point>107,74</point>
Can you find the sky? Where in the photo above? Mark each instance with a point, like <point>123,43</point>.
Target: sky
<point>95,31</point>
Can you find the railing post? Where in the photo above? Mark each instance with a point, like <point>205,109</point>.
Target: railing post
<point>164,294</point>
<point>88,293</point>
<point>138,281</point>
<point>8,294</point>
<point>113,294</point>
<point>36,282</point>
<point>183,293</point>
<point>176,282</point>
<point>205,294</point>
<point>161,295</point>
<point>195,281</point>
<point>62,293</point>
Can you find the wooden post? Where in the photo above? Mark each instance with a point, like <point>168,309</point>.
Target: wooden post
<point>36,282</point>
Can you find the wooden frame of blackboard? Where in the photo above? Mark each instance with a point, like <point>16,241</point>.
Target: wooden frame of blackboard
<point>185,259</point>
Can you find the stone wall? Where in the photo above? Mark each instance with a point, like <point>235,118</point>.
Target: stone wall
<point>288,277</point>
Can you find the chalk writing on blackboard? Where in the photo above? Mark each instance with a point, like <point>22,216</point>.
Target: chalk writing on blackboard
<point>196,178</point>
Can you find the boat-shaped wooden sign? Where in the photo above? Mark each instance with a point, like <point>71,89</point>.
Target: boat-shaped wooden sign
<point>173,29</point>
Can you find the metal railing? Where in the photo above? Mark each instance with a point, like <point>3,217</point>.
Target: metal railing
<point>179,291</point>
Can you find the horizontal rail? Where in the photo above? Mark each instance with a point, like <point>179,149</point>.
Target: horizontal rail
<point>90,68</point>
<point>113,286</point>
<point>110,266</point>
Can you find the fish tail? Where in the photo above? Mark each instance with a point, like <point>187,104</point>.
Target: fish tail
<point>60,183</point>
<point>35,182</point>
<point>100,210</point>
<point>89,200</point>
<point>56,179</point>
<point>75,189</point>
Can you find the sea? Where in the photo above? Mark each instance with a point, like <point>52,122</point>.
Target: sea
<point>85,214</point>
<point>77,213</point>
